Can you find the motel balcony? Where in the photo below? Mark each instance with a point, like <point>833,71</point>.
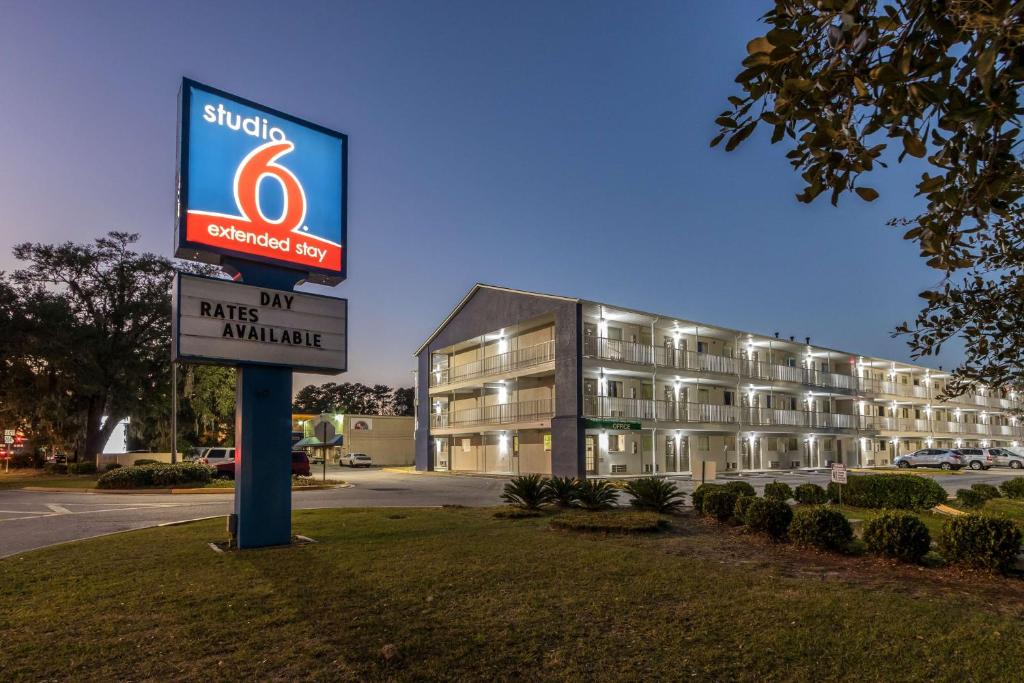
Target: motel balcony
<point>537,410</point>
<point>648,355</point>
<point>941,427</point>
<point>676,412</point>
<point>525,360</point>
<point>651,356</point>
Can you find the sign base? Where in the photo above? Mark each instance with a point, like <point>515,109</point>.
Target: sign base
<point>263,465</point>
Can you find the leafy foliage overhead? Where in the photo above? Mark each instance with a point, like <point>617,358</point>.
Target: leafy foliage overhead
<point>851,84</point>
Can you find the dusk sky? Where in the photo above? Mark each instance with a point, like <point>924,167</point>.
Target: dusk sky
<point>550,146</point>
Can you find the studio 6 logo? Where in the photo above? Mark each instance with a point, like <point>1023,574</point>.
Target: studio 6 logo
<point>262,164</point>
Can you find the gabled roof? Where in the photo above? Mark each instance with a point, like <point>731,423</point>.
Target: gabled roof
<point>469,295</point>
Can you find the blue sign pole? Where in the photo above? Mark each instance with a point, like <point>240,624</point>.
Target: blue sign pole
<point>263,429</point>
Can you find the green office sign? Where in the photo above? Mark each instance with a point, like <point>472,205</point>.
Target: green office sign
<point>613,424</point>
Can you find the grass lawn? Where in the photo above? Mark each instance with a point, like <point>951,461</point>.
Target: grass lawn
<point>465,596</point>
<point>17,479</point>
<point>931,520</point>
<point>1007,507</point>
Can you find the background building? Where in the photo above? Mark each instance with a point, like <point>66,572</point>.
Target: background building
<point>387,439</point>
<point>516,382</point>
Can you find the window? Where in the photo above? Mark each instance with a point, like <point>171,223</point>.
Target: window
<point>768,401</point>
<point>547,442</point>
<point>615,333</point>
<point>792,403</point>
<point>702,347</point>
<point>635,448</point>
<point>727,398</point>
<point>615,389</point>
<point>702,443</point>
<point>616,443</point>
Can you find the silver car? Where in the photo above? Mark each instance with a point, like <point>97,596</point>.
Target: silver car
<point>1004,457</point>
<point>977,458</point>
<point>942,458</point>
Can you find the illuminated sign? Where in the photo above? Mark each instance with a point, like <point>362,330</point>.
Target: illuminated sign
<point>258,184</point>
<point>226,322</point>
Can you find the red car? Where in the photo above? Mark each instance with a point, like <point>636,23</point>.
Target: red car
<point>300,467</point>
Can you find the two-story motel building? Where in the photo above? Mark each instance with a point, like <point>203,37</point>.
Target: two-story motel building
<point>518,382</point>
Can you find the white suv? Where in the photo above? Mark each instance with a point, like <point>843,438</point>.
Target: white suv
<point>216,456</point>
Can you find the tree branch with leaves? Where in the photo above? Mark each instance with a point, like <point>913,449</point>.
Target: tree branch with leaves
<point>850,85</point>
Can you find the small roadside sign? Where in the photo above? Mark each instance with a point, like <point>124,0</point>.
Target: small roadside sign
<point>838,473</point>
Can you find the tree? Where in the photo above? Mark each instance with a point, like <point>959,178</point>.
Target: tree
<point>95,335</point>
<point>842,80</point>
<point>353,398</point>
<point>404,401</point>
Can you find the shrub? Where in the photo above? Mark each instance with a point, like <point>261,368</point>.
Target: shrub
<point>719,503</point>
<point>612,522</point>
<point>900,535</point>
<point>1013,488</point>
<point>148,461</point>
<point>901,491</point>
<point>980,541</point>
<point>528,491</point>
<point>563,490</point>
<point>517,513</point>
<point>969,498</point>
<point>596,494</point>
<point>654,493</point>
<point>820,527</point>
<point>113,466</point>
<point>741,488</point>
<point>778,490</point>
<point>697,497</point>
<point>768,516</point>
<point>159,474</point>
<point>739,511</point>
<point>810,494</point>
<point>82,468</point>
<point>988,491</point>
<point>55,468</point>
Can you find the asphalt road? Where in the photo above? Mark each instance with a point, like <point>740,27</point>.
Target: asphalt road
<point>30,520</point>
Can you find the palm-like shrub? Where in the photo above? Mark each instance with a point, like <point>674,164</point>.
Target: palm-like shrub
<point>778,490</point>
<point>654,493</point>
<point>563,490</point>
<point>596,494</point>
<point>528,491</point>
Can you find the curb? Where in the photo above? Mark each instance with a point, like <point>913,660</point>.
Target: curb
<point>143,492</point>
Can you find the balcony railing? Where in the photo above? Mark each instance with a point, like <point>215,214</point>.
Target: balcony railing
<point>504,413</point>
<point>501,363</point>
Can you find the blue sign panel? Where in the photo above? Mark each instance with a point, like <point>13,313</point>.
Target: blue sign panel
<point>258,184</point>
